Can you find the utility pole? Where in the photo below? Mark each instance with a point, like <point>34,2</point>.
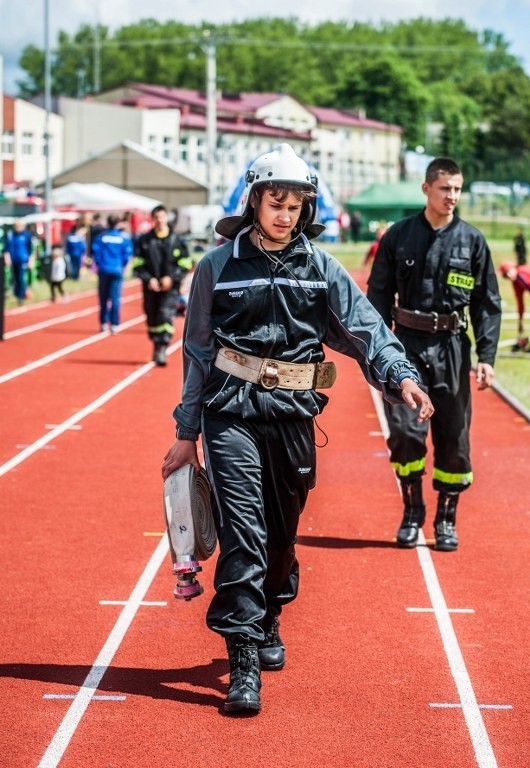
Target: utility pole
<point>211,113</point>
<point>47,107</point>
<point>97,57</point>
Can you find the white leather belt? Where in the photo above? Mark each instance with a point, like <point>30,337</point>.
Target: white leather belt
<point>275,373</point>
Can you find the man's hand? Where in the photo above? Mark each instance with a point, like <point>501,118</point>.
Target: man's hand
<point>166,283</point>
<point>414,396</point>
<point>153,285</point>
<point>181,452</point>
<point>485,375</point>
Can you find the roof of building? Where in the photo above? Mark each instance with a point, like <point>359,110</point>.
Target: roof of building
<point>331,116</point>
<point>243,105</point>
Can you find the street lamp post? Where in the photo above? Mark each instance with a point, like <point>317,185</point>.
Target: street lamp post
<point>47,107</point>
<point>211,114</point>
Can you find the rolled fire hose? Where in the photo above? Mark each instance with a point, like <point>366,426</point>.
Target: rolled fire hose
<point>190,526</point>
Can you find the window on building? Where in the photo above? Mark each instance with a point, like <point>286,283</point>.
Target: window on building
<point>184,149</point>
<point>26,146</point>
<point>8,145</point>
<point>167,147</point>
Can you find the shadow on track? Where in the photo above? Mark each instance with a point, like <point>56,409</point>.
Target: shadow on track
<point>135,681</point>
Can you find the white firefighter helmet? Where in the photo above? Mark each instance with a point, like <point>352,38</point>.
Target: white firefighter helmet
<point>283,166</point>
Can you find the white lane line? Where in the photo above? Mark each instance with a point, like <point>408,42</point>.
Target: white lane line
<point>431,610</point>
<point>471,710</point>
<point>77,708</point>
<point>80,415</point>
<point>73,695</point>
<point>481,706</point>
<point>156,603</point>
<point>63,318</point>
<point>67,350</point>
<point>46,303</point>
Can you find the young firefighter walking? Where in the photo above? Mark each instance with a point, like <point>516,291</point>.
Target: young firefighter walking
<point>161,260</point>
<point>261,307</point>
<point>438,266</point>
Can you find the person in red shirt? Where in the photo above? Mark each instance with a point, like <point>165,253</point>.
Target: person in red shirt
<point>520,278</point>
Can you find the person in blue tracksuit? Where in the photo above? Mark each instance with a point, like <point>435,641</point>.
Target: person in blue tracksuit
<point>76,250</point>
<point>111,251</point>
<point>19,247</point>
<point>261,308</point>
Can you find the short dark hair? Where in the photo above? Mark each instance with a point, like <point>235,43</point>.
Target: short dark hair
<point>441,165</point>
<point>112,220</point>
<point>157,209</point>
<point>281,191</point>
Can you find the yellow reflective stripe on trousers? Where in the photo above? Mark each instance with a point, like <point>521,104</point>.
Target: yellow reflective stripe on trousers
<point>164,328</point>
<point>453,478</point>
<point>404,470</point>
<point>185,263</point>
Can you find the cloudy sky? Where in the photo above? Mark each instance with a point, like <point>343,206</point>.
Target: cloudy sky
<point>509,17</point>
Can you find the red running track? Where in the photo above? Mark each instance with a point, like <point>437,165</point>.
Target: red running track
<point>395,658</point>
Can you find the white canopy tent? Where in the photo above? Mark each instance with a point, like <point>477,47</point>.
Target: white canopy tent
<point>100,196</point>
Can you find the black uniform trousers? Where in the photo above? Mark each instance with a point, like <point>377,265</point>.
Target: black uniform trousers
<point>444,363</point>
<point>261,474</point>
<point>160,309</point>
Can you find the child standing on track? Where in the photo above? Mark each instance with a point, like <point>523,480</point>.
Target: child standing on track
<point>261,307</point>
<point>58,271</point>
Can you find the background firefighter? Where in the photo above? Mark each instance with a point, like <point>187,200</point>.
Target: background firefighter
<point>437,266</point>
<point>261,307</point>
<point>161,260</point>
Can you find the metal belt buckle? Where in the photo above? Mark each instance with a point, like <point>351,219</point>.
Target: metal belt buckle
<point>268,376</point>
<point>456,321</point>
<point>435,322</point>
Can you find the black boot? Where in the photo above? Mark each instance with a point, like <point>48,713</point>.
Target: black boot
<point>271,650</point>
<point>445,536</point>
<point>159,356</point>
<point>245,681</point>
<point>413,513</point>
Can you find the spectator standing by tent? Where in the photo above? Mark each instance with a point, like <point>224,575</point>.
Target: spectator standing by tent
<point>112,251</point>
<point>355,226</point>
<point>161,260</point>
<point>372,250</point>
<point>19,248</point>
<point>438,266</point>
<point>76,250</point>
<point>95,229</point>
<point>519,245</point>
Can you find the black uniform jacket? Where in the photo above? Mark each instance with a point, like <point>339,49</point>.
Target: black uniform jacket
<point>161,257</point>
<point>241,300</point>
<point>441,271</point>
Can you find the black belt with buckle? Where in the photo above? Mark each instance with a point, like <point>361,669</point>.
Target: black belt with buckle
<point>429,322</point>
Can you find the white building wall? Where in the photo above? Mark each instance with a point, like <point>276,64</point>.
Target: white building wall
<point>30,126</point>
<point>160,132</point>
<point>286,112</point>
<point>92,127</point>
